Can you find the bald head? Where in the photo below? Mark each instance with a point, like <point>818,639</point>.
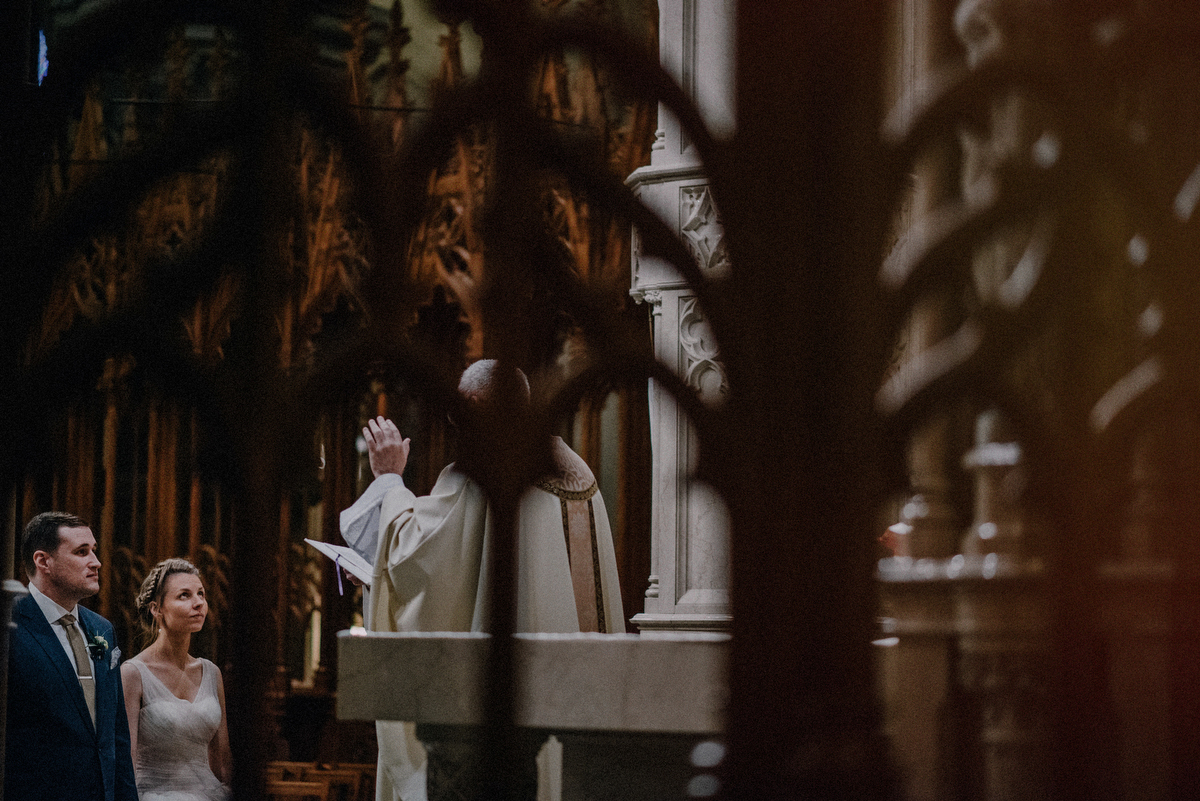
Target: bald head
<point>482,379</point>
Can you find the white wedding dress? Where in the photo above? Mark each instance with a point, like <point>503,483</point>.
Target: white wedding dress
<point>173,737</point>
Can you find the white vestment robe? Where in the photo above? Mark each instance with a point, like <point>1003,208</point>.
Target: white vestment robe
<point>432,574</point>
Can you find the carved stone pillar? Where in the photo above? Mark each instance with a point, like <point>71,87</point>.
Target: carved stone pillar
<point>689,582</point>
<point>11,591</point>
<point>1135,615</point>
<point>991,690</point>
<point>917,654</point>
<point>1003,620</point>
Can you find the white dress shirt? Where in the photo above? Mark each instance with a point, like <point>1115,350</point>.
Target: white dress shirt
<point>53,612</point>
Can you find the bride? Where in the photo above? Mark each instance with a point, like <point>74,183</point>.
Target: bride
<point>176,702</point>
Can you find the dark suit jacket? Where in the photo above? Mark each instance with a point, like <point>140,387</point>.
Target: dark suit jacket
<point>52,749</point>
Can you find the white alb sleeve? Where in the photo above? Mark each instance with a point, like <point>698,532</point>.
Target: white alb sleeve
<point>360,523</point>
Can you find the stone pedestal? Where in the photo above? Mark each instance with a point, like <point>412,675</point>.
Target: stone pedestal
<point>630,711</point>
<point>689,585</point>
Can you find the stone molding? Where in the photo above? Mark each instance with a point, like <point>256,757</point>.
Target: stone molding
<point>701,228</point>
<point>699,354</point>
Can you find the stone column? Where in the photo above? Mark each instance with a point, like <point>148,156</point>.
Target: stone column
<point>689,582</point>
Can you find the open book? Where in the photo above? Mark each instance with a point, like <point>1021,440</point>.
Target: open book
<point>354,564</point>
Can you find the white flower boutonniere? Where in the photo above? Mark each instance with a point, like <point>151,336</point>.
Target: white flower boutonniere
<point>97,647</point>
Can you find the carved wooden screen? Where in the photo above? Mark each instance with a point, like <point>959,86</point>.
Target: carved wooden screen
<point>134,168</point>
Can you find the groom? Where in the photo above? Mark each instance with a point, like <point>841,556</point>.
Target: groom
<point>67,734</point>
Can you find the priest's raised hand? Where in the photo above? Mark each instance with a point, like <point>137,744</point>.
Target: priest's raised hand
<point>387,450</point>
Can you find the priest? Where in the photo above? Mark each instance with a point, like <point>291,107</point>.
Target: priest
<point>430,556</point>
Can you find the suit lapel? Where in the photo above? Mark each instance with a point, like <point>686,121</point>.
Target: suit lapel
<point>29,615</point>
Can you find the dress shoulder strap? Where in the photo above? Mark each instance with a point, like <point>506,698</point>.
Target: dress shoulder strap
<point>208,677</point>
<point>152,687</point>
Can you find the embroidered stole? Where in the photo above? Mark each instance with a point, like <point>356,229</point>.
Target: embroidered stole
<point>579,529</point>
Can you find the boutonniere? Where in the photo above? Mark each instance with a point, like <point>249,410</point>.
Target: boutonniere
<point>97,647</point>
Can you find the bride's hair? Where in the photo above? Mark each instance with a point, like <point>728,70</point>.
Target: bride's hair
<point>155,587</point>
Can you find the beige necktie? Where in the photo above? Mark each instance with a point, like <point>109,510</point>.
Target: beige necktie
<point>83,664</point>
